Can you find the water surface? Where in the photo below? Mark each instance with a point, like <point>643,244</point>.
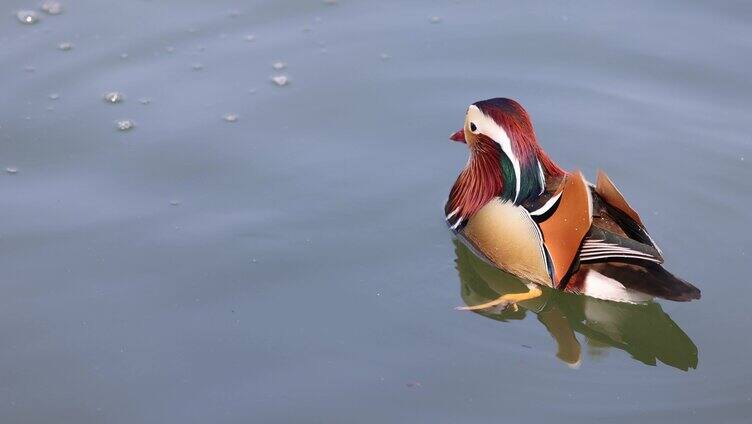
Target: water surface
<point>292,264</point>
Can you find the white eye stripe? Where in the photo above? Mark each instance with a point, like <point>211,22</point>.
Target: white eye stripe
<point>488,127</point>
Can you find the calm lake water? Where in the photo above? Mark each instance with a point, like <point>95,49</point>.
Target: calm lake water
<point>294,266</point>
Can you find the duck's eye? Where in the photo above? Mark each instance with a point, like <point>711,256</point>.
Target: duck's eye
<point>473,128</point>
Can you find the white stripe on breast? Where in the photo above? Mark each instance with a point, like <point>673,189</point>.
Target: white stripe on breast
<point>546,206</point>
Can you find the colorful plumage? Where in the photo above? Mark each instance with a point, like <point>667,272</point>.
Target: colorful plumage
<point>517,209</point>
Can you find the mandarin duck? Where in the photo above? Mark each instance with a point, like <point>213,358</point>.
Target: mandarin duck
<point>514,207</point>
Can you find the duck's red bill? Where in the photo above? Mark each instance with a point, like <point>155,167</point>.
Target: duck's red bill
<point>459,136</point>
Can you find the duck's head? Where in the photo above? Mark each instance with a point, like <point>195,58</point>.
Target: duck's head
<point>505,159</point>
<point>499,123</point>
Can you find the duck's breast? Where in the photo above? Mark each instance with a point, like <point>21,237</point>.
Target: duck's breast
<point>509,238</point>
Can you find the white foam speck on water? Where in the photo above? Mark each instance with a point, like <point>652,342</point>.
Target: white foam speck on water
<point>435,19</point>
<point>65,46</point>
<point>114,97</point>
<point>279,65</point>
<point>280,80</point>
<point>250,38</point>
<point>52,7</point>
<point>27,17</point>
<point>230,117</point>
<point>197,66</point>
<point>145,101</point>
<point>54,96</point>
<point>384,56</point>
<point>125,125</point>
<point>12,170</point>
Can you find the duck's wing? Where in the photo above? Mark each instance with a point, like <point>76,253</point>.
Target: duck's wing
<point>618,233</point>
<point>580,222</point>
<point>603,246</point>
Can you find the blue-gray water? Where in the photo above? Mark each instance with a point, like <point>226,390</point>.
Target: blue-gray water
<point>293,266</point>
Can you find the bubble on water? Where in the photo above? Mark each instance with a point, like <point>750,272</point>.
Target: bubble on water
<point>114,97</point>
<point>144,100</point>
<point>54,96</point>
<point>12,170</point>
<point>385,56</point>
<point>52,7</point>
<point>280,80</point>
<point>170,49</point>
<point>125,125</point>
<point>124,55</point>
<point>250,38</point>
<point>230,117</point>
<point>28,17</point>
<point>174,202</point>
<point>435,19</point>
<point>279,65</point>
<point>197,66</point>
<point>65,46</point>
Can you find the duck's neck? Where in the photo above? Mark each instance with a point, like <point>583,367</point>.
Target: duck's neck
<point>479,182</point>
<point>491,174</point>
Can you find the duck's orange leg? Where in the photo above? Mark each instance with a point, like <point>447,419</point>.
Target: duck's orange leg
<point>506,300</point>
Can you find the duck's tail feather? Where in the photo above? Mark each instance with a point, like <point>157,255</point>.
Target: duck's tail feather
<point>630,282</point>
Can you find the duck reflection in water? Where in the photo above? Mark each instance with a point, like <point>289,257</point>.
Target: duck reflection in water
<point>643,330</point>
